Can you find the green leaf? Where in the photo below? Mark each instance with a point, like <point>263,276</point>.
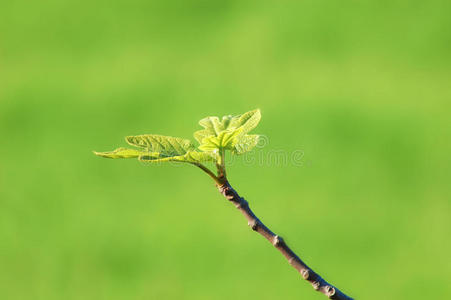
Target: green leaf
<point>248,121</point>
<point>246,143</point>
<point>159,148</point>
<point>212,127</point>
<point>168,149</point>
<point>124,153</point>
<point>230,133</point>
<point>225,140</point>
<point>165,145</point>
<point>191,157</point>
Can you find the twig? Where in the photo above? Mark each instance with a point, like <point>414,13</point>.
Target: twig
<point>307,273</point>
<point>208,171</point>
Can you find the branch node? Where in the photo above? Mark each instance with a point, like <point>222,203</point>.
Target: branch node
<point>316,285</point>
<point>277,241</point>
<point>330,291</point>
<point>305,274</point>
<point>222,188</point>
<point>253,224</point>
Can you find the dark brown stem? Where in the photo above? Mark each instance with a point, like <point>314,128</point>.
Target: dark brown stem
<point>307,273</point>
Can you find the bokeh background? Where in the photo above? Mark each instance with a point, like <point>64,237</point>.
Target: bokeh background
<point>361,88</point>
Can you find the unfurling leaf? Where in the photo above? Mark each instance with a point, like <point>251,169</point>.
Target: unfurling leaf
<point>123,153</point>
<point>230,133</point>
<point>191,157</point>
<point>159,148</point>
<point>246,143</point>
<point>165,145</point>
<point>226,139</point>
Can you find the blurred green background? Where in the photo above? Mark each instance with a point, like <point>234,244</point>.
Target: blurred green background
<point>362,88</point>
